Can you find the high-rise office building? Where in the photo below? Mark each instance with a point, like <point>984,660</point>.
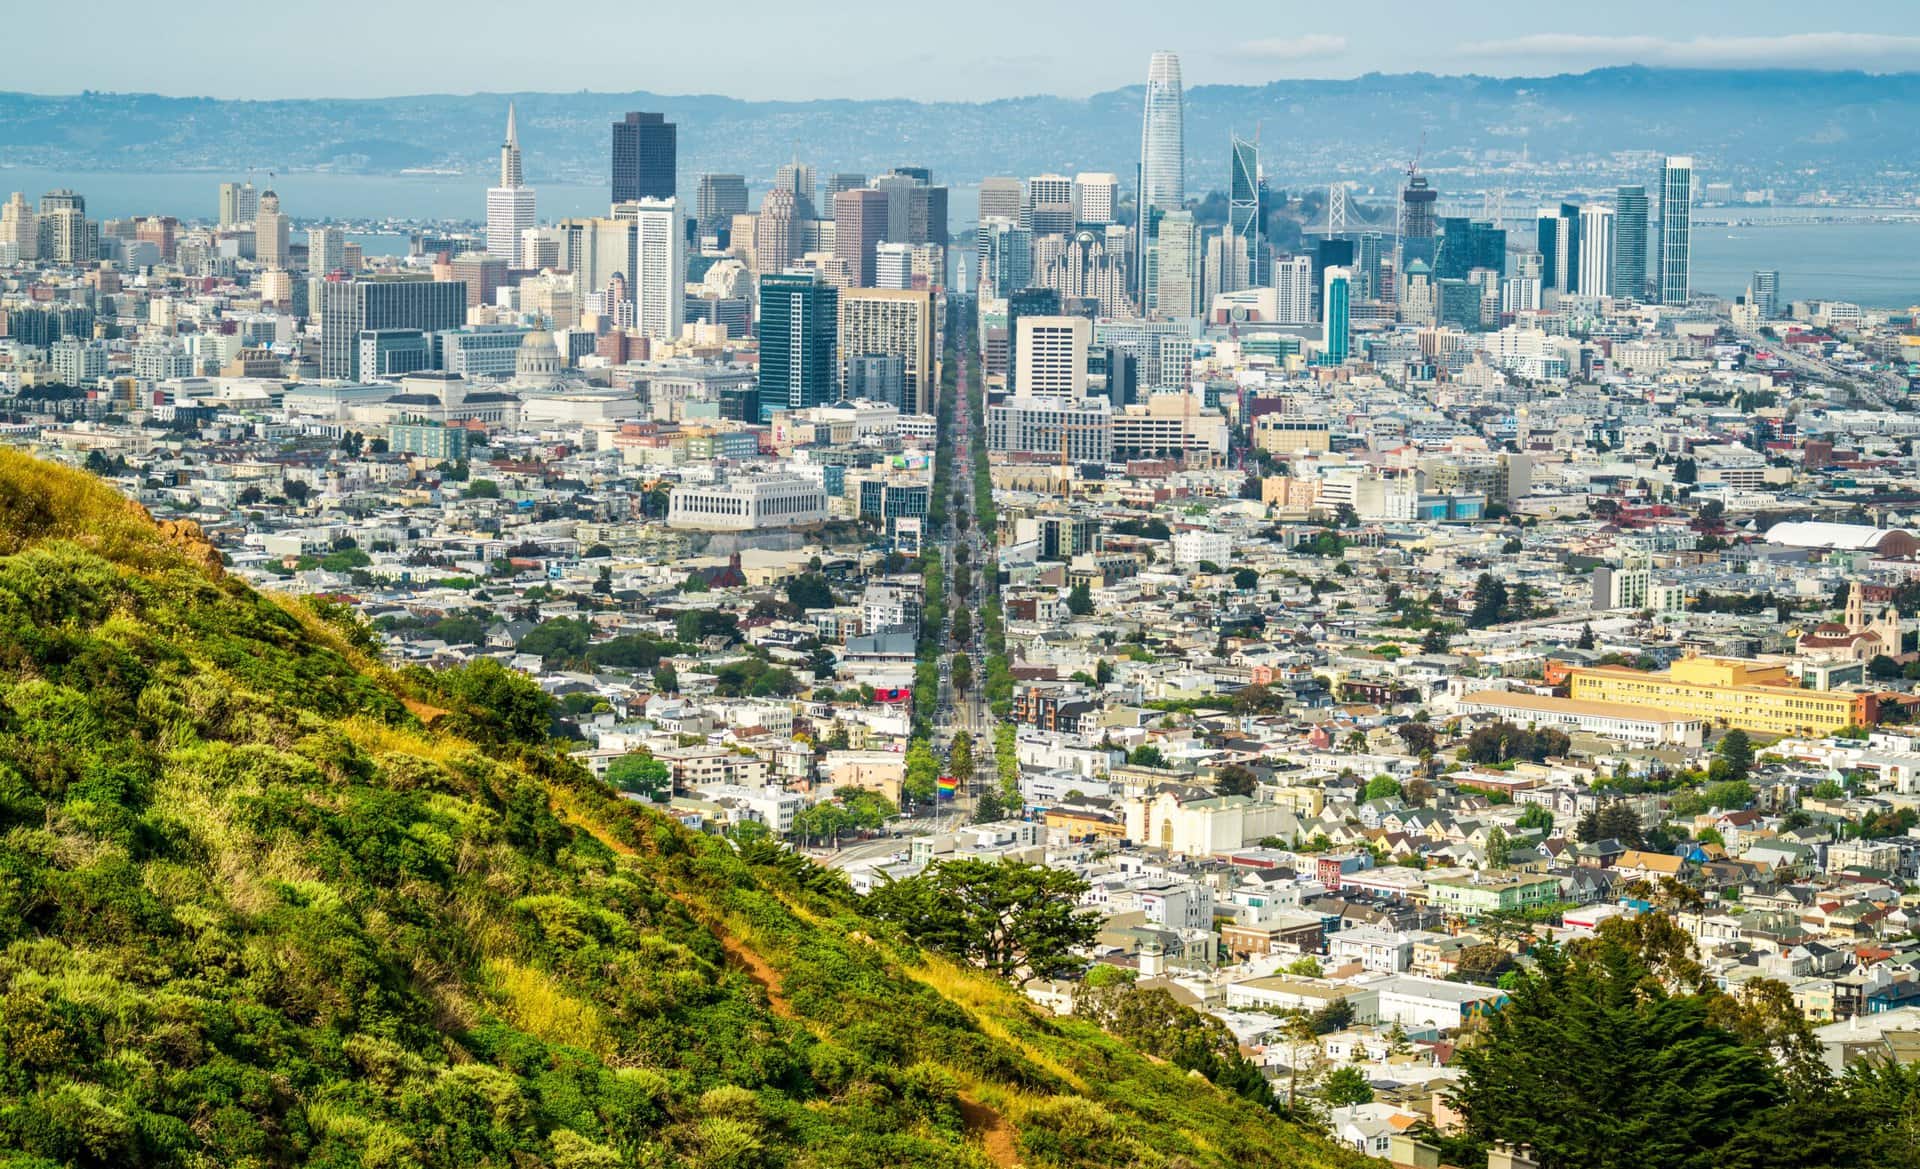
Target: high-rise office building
<point>239,203</point>
<point>1052,357</point>
<point>658,275</point>
<point>510,210</point>
<point>1241,266</point>
<point>1163,180</point>
<point>799,342</point>
<point>67,236</point>
<point>326,250</point>
<point>1676,231</point>
<point>1089,268</point>
<point>859,225</point>
<point>1293,288</point>
<point>927,215</point>
<point>1006,257</point>
<point>1599,255</point>
<point>1466,244</point>
<point>875,322</point>
<point>1418,202</point>
<point>1175,288</point>
<point>1764,294</point>
<point>1001,198</point>
<point>1336,296</point>
<point>1050,204</point>
<point>797,176</point>
<point>1630,242</point>
<point>645,156</point>
<point>893,266</point>
<point>721,198</point>
<point>1094,195</point>
<point>229,204</point>
<point>1369,270</point>
<point>347,307</point>
<point>1162,176</point>
<point>20,227</point>
<point>1557,235</point>
<point>844,181</point>
<point>776,230</point>
<point>1025,302</point>
<point>271,248</point>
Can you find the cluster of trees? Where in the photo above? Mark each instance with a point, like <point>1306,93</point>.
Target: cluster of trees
<point>1618,1053</point>
<point>1494,603</point>
<point>1504,742</point>
<point>851,810</point>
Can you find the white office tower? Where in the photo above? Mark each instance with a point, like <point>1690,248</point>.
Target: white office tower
<point>1293,289</point>
<point>1163,175</point>
<point>541,248</point>
<point>1050,204</point>
<point>1094,197</point>
<point>509,205</point>
<point>1598,250</point>
<point>893,265</point>
<point>1052,357</point>
<point>1001,198</point>
<point>660,266</point>
<point>1676,231</point>
<point>326,250</point>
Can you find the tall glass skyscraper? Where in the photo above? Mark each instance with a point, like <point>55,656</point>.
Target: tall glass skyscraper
<point>799,342</point>
<point>1163,173</point>
<point>1676,231</point>
<point>1630,242</point>
<point>1337,297</point>
<point>1243,218</point>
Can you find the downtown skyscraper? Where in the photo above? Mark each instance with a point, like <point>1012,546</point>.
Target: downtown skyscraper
<point>799,342</point>
<point>645,156</point>
<point>510,210</point>
<point>1630,242</point>
<point>1244,266</point>
<point>1676,231</point>
<point>1163,167</point>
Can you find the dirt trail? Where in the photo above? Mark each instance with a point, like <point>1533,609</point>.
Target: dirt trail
<point>757,969</point>
<point>993,1131</point>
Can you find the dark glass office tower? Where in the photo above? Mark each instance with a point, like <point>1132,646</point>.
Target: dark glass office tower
<point>644,157</point>
<point>799,342</point>
<point>1630,242</point>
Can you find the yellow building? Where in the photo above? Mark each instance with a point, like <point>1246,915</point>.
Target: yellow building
<point>1283,434</point>
<point>1730,692</point>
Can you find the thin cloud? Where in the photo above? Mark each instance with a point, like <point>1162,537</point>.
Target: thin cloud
<point>1813,50</point>
<point>1306,47</point>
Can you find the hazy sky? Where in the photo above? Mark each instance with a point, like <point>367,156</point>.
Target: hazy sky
<point>892,48</point>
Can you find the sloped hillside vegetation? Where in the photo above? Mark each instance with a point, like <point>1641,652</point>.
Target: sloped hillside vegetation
<point>255,912</point>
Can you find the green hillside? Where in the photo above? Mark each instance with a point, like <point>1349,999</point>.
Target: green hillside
<point>253,911</point>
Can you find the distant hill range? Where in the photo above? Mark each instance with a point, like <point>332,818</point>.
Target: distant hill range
<point>1745,126</point>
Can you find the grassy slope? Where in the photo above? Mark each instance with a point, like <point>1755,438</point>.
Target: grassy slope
<point>253,913</point>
